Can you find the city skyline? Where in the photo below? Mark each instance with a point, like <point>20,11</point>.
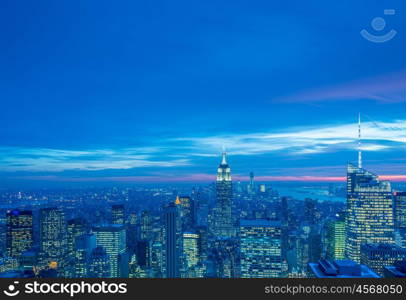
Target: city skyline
<point>155,94</point>
<point>221,230</point>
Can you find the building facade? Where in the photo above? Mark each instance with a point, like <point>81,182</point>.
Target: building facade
<point>369,211</point>
<point>260,247</point>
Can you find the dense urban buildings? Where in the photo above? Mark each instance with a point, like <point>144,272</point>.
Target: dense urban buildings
<point>221,230</point>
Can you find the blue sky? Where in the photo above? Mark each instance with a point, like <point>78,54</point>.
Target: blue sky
<point>96,90</point>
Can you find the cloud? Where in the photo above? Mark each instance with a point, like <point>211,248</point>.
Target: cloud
<point>377,136</point>
<point>296,142</point>
<point>388,89</point>
<point>56,160</point>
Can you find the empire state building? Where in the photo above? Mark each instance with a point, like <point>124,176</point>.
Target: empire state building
<point>224,226</point>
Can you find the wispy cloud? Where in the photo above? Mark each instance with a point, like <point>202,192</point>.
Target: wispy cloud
<point>388,88</point>
<point>56,160</point>
<point>377,136</point>
<point>295,142</point>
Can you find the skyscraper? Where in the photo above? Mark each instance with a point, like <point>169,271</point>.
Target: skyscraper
<point>261,254</point>
<point>187,211</point>
<point>400,218</point>
<point>113,240</point>
<point>19,232</point>
<point>400,209</point>
<point>117,214</point>
<point>310,211</point>
<point>84,245</point>
<point>53,237</point>
<point>99,264</point>
<point>172,241</point>
<point>223,218</point>
<point>251,186</point>
<point>191,248</point>
<point>369,209</point>
<point>379,256</point>
<point>335,238</point>
<point>145,225</point>
<point>76,227</point>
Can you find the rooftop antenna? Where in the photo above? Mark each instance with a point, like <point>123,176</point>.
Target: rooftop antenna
<point>359,142</point>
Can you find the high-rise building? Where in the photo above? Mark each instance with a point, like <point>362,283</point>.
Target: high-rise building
<point>260,246</point>
<point>143,253</point>
<point>400,218</point>
<point>398,270</point>
<point>146,227</point>
<point>302,249</point>
<point>335,238</point>
<point>172,241</point>
<point>223,217</point>
<point>117,214</point>
<point>53,237</point>
<point>19,232</point>
<point>310,211</point>
<point>99,264</point>
<point>203,242</point>
<point>251,185</point>
<point>135,270</point>
<point>369,208</point>
<point>132,220</point>
<point>400,210</point>
<point>113,239</point>
<point>84,245</point>
<point>369,211</point>
<point>379,256</point>
<point>76,227</point>
<point>223,259</point>
<point>191,248</point>
<point>187,211</point>
<point>156,259</point>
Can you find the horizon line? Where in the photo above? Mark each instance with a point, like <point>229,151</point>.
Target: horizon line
<point>199,178</point>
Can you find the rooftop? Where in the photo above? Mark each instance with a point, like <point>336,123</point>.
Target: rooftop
<point>259,223</point>
<point>341,269</point>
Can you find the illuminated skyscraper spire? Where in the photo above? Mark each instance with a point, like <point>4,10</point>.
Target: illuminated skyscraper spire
<point>359,142</point>
<point>223,170</point>
<point>224,158</point>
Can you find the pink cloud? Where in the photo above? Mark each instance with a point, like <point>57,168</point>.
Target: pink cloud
<point>201,178</point>
<point>388,88</point>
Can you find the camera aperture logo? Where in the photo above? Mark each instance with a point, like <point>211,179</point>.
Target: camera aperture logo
<point>70,289</point>
<point>12,290</point>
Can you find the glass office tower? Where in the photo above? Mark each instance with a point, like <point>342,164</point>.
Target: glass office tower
<point>19,230</point>
<point>113,239</point>
<point>369,211</point>
<point>261,254</point>
<point>53,237</point>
